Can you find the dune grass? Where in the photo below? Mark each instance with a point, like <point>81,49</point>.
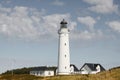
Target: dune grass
<point>113,74</point>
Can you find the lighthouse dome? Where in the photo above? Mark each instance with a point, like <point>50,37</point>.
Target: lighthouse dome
<point>63,24</point>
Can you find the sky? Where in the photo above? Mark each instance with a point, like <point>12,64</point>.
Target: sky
<point>29,32</point>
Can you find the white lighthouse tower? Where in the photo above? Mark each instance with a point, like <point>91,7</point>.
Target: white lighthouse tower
<point>63,50</point>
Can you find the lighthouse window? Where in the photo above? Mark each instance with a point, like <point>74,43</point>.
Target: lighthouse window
<point>65,56</point>
<point>65,44</point>
<point>65,67</point>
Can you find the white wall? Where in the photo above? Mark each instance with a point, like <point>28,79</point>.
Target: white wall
<point>87,70</point>
<point>93,72</point>
<point>63,52</point>
<point>42,73</point>
<point>71,69</point>
<point>49,73</point>
<point>98,68</point>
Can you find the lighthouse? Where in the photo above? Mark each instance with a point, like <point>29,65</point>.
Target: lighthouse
<point>63,50</point>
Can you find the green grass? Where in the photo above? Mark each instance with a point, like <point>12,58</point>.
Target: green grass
<point>113,74</point>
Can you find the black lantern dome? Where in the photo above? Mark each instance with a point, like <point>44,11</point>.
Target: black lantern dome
<point>63,24</point>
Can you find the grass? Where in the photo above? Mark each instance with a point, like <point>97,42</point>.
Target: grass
<point>113,74</point>
<point>19,77</point>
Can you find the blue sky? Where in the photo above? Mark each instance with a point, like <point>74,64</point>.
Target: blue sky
<point>28,32</point>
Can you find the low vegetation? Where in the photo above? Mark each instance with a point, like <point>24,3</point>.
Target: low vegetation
<point>112,74</point>
<point>19,71</point>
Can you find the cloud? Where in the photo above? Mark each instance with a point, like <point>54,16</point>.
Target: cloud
<point>26,23</point>
<point>102,6</point>
<point>115,25</point>
<point>88,21</point>
<point>87,35</point>
<point>58,3</point>
<point>30,24</point>
<point>17,23</point>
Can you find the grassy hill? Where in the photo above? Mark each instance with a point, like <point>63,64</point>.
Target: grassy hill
<point>112,74</point>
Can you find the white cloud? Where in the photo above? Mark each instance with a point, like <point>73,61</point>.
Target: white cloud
<point>72,25</point>
<point>115,25</point>
<point>102,6</point>
<point>58,3</point>
<point>88,21</point>
<point>17,23</point>
<point>30,24</point>
<point>90,33</point>
<point>87,35</point>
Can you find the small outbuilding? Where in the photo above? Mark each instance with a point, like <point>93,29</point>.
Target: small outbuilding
<point>43,71</point>
<point>91,68</point>
<point>74,69</point>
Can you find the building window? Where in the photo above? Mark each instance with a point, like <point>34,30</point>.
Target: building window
<point>40,72</point>
<point>37,73</point>
<point>49,73</point>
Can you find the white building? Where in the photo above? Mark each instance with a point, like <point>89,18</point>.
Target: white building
<point>74,69</point>
<point>63,50</point>
<point>91,68</point>
<point>43,71</point>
